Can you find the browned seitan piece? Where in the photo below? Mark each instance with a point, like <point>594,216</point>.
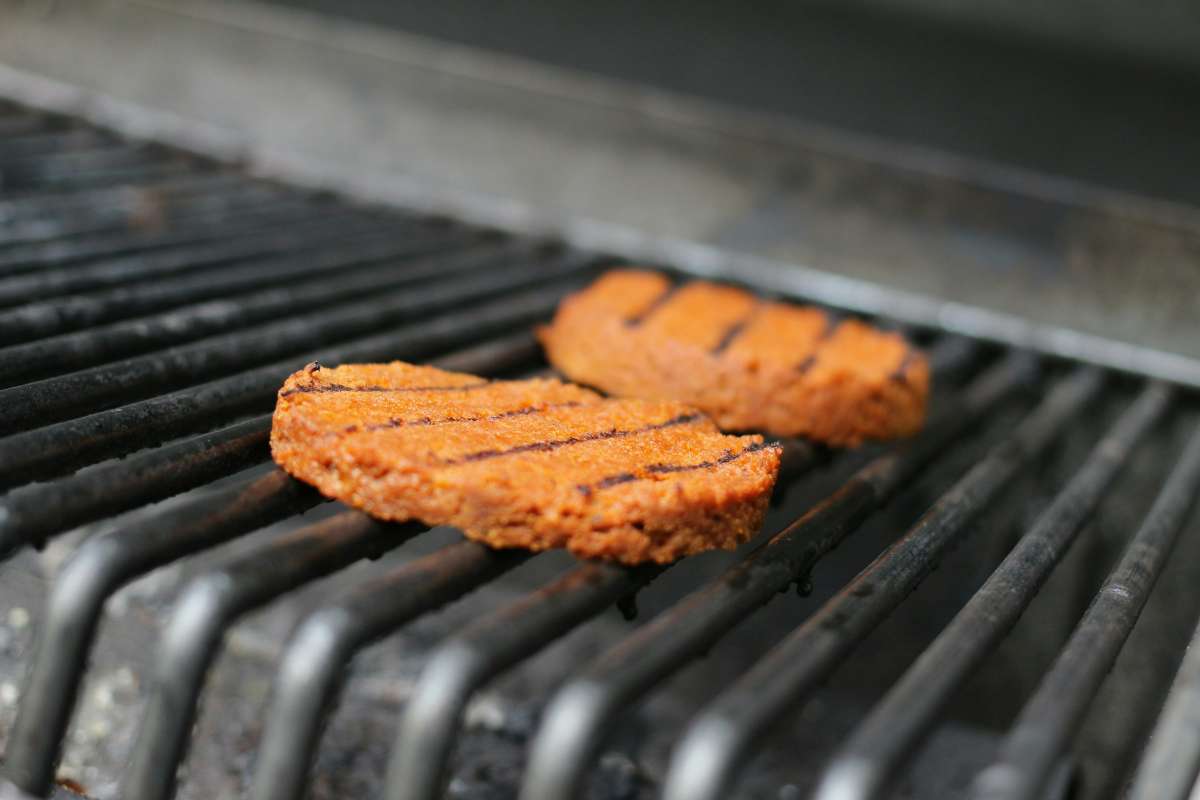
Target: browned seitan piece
<point>532,463</point>
<point>751,364</point>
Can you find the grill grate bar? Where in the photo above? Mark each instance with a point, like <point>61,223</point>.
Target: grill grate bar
<point>38,244</point>
<point>119,203</point>
<point>581,713</point>
<point>899,723</point>
<point>133,212</point>
<point>128,209</point>
<point>220,224</point>
<point>255,239</point>
<point>36,144</point>
<point>327,639</point>
<point>22,123</point>
<point>65,314</point>
<point>110,153</point>
<point>54,399</point>
<point>74,351</point>
<point>492,644</point>
<point>210,604</point>
<point>89,168</point>
<point>101,565</point>
<point>1170,769</point>
<point>42,184</point>
<point>33,513</point>
<point>1056,710</point>
<point>107,561</point>
<point>56,449</point>
<point>718,741</point>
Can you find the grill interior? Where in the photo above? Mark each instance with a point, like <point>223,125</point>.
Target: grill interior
<point>151,304</point>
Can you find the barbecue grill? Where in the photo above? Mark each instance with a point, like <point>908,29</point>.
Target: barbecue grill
<point>153,300</point>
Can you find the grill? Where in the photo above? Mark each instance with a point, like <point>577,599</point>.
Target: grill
<point>151,303</point>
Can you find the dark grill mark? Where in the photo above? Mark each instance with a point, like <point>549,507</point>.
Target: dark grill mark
<point>423,421</point>
<point>735,330</point>
<point>666,469</point>
<point>540,447</point>
<point>832,321</point>
<point>655,305</point>
<point>613,480</point>
<point>730,455</point>
<point>807,364</point>
<point>338,387</point>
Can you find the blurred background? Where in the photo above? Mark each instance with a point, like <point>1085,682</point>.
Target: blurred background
<point>1100,90</point>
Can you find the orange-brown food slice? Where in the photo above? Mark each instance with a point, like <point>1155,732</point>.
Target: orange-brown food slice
<point>751,364</point>
<point>534,463</point>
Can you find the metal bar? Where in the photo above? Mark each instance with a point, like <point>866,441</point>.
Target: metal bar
<point>114,153</point>
<point>104,202</point>
<point>57,449</point>
<point>492,644</point>
<point>720,739</point>
<point>895,728</point>
<point>251,217</point>
<point>153,214</point>
<point>51,151</point>
<point>54,399</point>
<point>210,604</point>
<point>44,183</point>
<point>798,457</point>
<point>1171,764</point>
<point>33,513</point>
<point>124,207</point>
<point>500,356</point>
<point>1054,713</point>
<point>582,712</point>
<point>57,141</point>
<point>952,357</point>
<point>88,168</point>
<point>100,566</point>
<point>137,212</point>
<point>23,123</point>
<point>62,314</point>
<point>74,351</point>
<point>325,320</point>
<point>252,241</point>
<point>327,639</point>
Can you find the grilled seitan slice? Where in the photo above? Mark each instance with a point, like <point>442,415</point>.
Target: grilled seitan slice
<point>533,463</point>
<point>751,364</point>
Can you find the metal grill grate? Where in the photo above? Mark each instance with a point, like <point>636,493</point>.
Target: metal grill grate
<point>150,306</point>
